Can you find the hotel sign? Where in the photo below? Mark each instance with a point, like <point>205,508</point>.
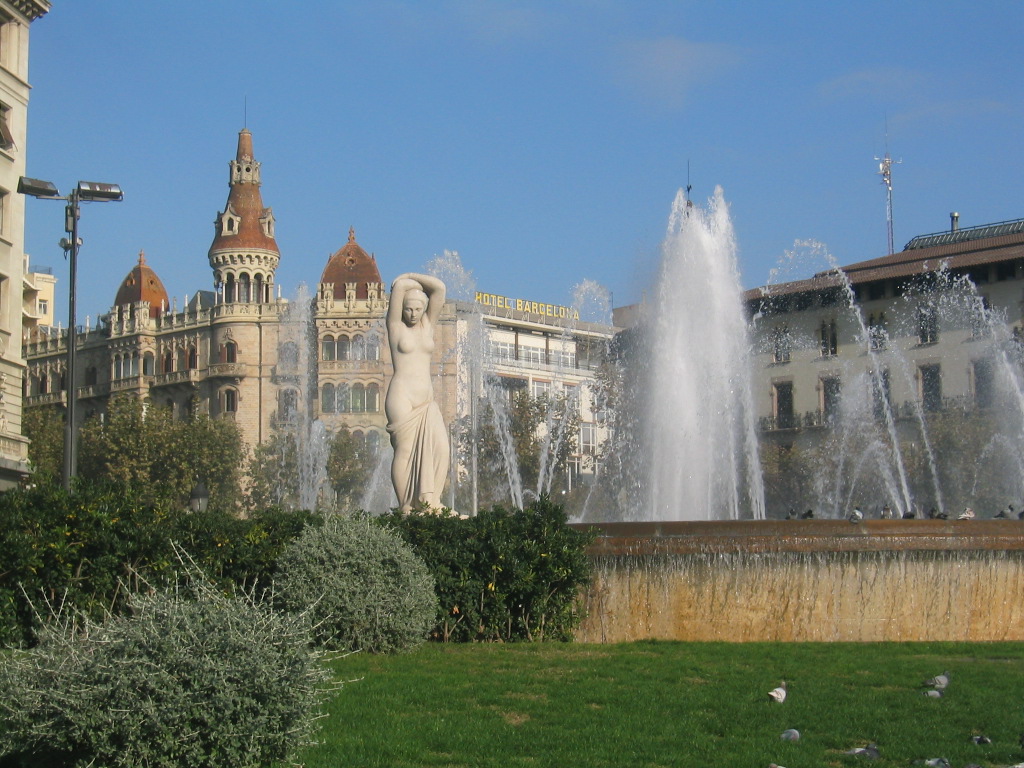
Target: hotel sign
<point>497,301</point>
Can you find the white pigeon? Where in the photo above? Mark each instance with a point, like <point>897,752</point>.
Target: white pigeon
<point>934,693</point>
<point>790,734</point>
<point>967,514</point>
<point>778,694</point>
<point>856,516</point>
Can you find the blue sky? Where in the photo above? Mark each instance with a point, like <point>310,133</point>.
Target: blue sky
<point>544,141</point>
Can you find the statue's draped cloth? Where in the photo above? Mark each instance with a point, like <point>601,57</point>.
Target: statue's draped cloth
<point>427,464</point>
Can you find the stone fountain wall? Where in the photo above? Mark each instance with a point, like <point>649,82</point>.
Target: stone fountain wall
<point>813,580</point>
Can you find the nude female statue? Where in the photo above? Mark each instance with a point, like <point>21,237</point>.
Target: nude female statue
<point>418,434</point>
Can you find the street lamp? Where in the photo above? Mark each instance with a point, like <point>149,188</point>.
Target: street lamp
<point>86,191</point>
<point>199,498</point>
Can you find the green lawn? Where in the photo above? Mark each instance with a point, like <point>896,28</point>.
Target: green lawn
<point>673,704</point>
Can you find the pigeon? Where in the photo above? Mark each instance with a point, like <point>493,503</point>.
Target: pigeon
<point>967,514</point>
<point>934,693</point>
<point>937,762</point>
<point>870,751</point>
<point>939,681</point>
<point>808,515</point>
<point>791,515</point>
<point>981,739</point>
<point>775,765</point>
<point>886,513</point>
<point>909,515</point>
<point>1002,515</point>
<point>778,694</point>
<point>790,734</point>
<point>856,516</point>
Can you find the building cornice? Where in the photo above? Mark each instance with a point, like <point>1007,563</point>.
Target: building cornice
<point>30,9</point>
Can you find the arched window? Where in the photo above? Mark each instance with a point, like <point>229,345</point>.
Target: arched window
<point>372,347</point>
<point>358,348</point>
<point>148,364</point>
<point>133,366</point>
<point>244,288</point>
<point>373,443</point>
<point>229,352</point>
<point>288,405</point>
<point>193,359</point>
<point>372,398</point>
<point>344,348</point>
<point>327,348</point>
<point>358,398</point>
<point>168,362</point>
<point>229,400</point>
<point>342,398</point>
<point>257,289</point>
<point>229,289</point>
<point>327,404</point>
<point>91,376</point>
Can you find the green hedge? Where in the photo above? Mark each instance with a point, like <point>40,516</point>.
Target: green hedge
<point>90,549</point>
<point>503,575</point>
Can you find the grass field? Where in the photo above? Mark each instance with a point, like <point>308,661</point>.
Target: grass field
<point>673,704</point>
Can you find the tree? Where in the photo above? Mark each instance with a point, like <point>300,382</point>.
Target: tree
<point>140,446</point>
<point>350,465</point>
<point>44,426</point>
<point>523,443</point>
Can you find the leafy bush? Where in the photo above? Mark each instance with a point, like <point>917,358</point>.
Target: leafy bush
<point>364,587</point>
<point>502,575</point>
<point>82,549</point>
<point>193,679</point>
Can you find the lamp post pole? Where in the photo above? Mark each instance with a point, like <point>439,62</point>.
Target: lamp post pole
<point>71,251</point>
<point>85,191</point>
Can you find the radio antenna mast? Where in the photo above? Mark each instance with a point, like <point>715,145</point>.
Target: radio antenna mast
<point>885,165</point>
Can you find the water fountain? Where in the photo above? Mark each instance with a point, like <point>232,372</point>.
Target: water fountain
<point>677,576</point>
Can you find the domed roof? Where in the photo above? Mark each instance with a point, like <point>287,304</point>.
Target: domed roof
<point>351,264</point>
<point>142,284</point>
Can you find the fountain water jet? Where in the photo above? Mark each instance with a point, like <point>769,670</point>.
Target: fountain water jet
<point>700,432</point>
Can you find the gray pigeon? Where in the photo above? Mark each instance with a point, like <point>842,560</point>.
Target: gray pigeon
<point>939,681</point>
<point>790,734</point>
<point>870,751</point>
<point>856,516</point>
<point>981,739</point>
<point>937,762</point>
<point>934,693</point>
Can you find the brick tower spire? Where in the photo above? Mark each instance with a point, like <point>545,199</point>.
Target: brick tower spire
<point>244,254</point>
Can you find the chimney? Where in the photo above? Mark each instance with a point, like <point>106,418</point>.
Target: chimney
<point>954,221</point>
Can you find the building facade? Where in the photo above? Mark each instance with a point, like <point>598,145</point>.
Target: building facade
<point>896,383</point>
<point>242,352</point>
<point>16,16</point>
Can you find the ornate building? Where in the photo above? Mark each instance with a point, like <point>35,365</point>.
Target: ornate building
<point>240,352</point>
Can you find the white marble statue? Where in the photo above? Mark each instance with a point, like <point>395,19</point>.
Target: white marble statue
<point>418,433</point>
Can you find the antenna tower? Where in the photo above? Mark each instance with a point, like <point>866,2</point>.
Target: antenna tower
<point>885,165</point>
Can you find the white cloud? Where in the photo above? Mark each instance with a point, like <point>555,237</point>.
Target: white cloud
<point>663,71</point>
<point>880,82</point>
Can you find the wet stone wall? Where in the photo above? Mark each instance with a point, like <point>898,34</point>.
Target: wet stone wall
<point>812,580</point>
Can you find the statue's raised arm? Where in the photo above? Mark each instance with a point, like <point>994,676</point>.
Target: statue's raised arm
<point>418,433</point>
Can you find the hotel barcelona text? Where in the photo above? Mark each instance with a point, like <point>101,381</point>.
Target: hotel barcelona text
<point>522,305</point>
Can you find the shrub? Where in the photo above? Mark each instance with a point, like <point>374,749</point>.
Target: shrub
<point>502,575</point>
<point>193,679</point>
<point>83,548</point>
<point>364,587</point>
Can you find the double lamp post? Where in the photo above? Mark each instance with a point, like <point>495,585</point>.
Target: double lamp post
<point>86,191</point>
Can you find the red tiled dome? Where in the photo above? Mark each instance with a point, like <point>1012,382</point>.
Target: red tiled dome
<point>351,264</point>
<point>142,284</point>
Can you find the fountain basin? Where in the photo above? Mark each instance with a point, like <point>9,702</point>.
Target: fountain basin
<point>806,580</point>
